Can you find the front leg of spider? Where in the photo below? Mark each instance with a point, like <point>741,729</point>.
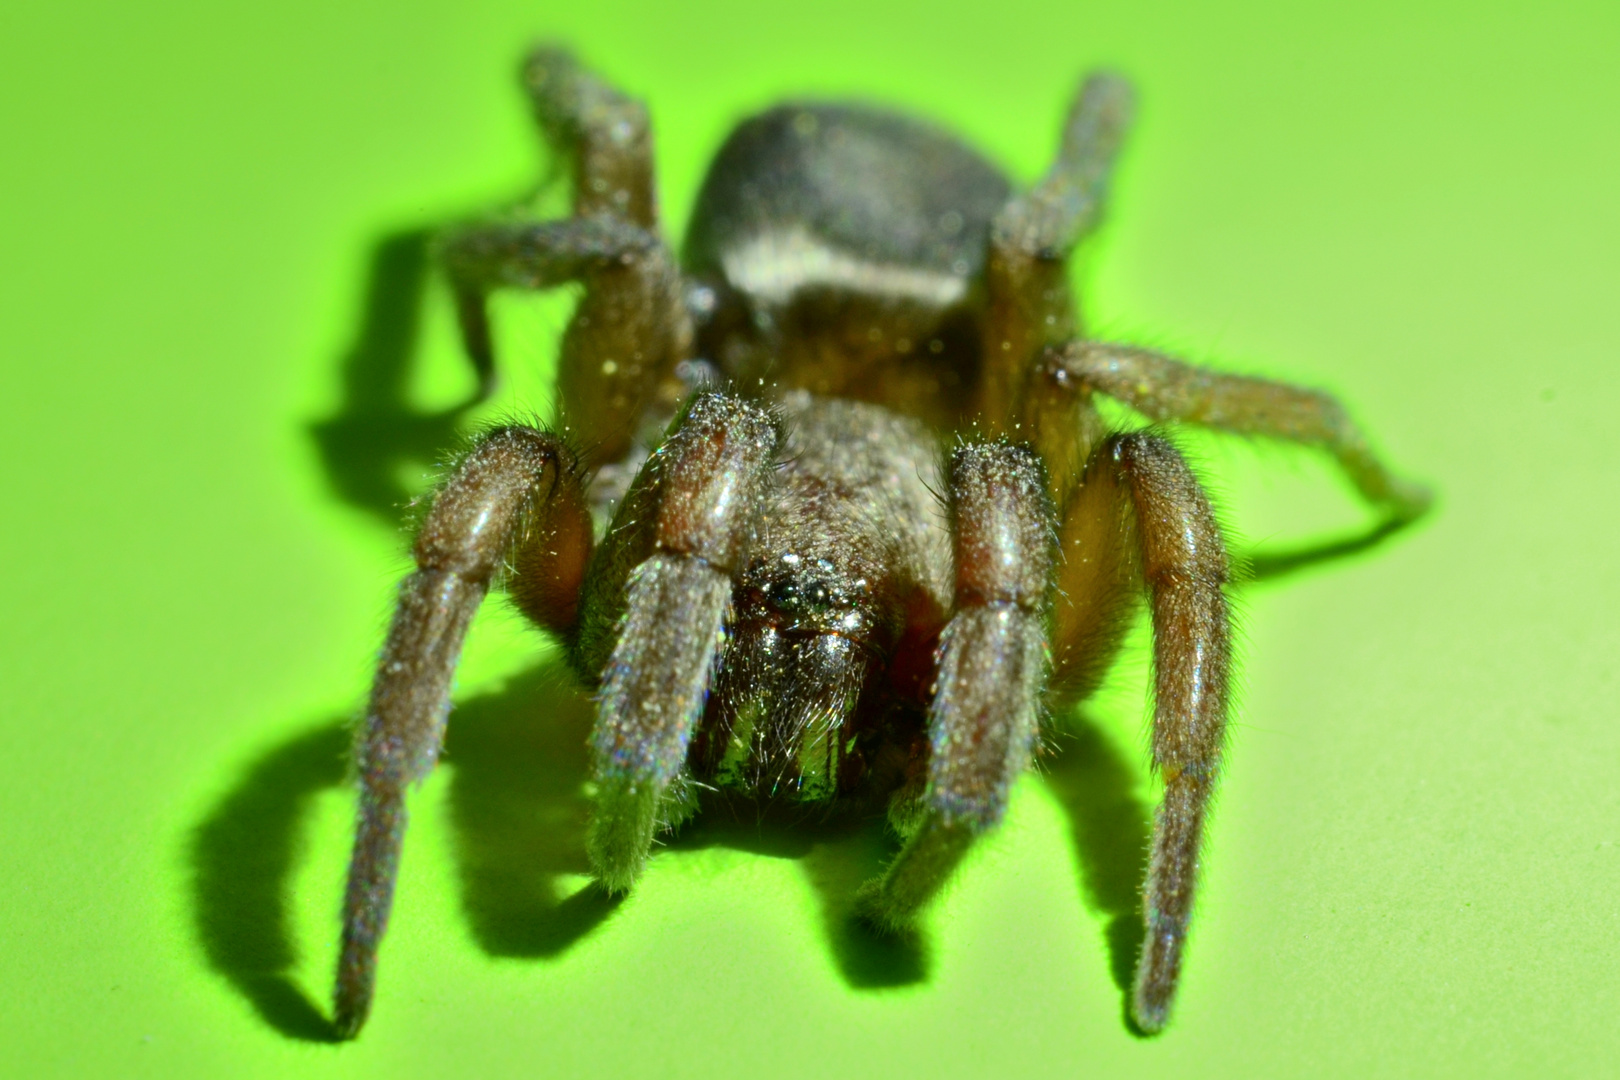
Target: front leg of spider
<point>516,496</point>
<point>656,606</point>
<point>991,671</point>
<point>1181,557</point>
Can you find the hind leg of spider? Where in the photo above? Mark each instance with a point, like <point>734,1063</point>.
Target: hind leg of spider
<point>631,326</point>
<point>1138,515</point>
<point>517,496</point>
<point>1164,388</point>
<point>992,672</point>
<point>656,601</point>
<point>1030,301</point>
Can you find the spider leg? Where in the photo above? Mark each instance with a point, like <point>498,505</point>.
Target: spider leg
<point>1030,301</point>
<point>655,606</point>
<point>1099,578</point>
<point>632,326</point>
<point>517,493</point>
<point>991,674</point>
<point>1164,388</point>
<point>630,329</point>
<point>604,132</point>
<point>1139,514</point>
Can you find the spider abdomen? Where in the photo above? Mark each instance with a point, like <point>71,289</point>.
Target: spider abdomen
<point>842,249</point>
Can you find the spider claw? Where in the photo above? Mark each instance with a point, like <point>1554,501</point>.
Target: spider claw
<point>357,978</point>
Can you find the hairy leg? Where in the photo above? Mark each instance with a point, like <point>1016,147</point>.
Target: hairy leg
<point>1164,388</point>
<point>516,491</point>
<point>631,326</point>
<point>1099,578</point>
<point>1140,511</point>
<point>992,671</point>
<point>1030,302</point>
<point>629,331</point>
<point>604,133</point>
<point>655,606</point>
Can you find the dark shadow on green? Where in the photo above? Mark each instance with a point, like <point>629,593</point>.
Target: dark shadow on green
<point>1266,565</point>
<point>518,764</point>
<point>868,958</point>
<point>838,854</point>
<point>242,857</point>
<point>517,770</point>
<point>518,761</point>
<point>376,433</point>
<point>1097,788</point>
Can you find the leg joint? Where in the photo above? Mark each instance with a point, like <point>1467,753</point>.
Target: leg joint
<point>479,510</point>
<point>713,471</point>
<point>1179,535</point>
<point>1004,525</point>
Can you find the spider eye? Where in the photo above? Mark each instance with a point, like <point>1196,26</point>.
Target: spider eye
<point>783,595</point>
<point>791,596</point>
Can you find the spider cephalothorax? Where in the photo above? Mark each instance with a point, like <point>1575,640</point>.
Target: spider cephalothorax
<point>884,532</point>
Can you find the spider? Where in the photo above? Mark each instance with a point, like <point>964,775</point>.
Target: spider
<point>882,531</point>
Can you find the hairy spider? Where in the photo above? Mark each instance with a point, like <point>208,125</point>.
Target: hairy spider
<point>882,530</point>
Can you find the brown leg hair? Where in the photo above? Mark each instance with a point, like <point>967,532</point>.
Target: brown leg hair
<point>604,132</point>
<point>517,494</point>
<point>992,671</point>
<point>631,326</point>
<point>1099,579</point>
<point>1164,388</point>
<point>656,603</point>
<point>1030,302</point>
<point>1140,511</point>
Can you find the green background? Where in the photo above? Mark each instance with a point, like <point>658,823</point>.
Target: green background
<point>1413,867</point>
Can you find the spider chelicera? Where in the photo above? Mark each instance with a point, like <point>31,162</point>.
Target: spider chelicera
<point>881,531</point>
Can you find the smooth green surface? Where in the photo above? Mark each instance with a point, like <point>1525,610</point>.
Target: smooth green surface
<point>1414,867</point>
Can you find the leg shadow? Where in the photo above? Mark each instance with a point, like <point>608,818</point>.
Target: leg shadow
<point>376,433</point>
<point>519,760</point>
<point>1269,565</point>
<point>518,766</point>
<point>242,857</point>
<point>838,855</point>
<point>1096,787</point>
<point>869,959</point>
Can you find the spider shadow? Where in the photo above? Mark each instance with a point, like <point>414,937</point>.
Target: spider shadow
<point>838,854</point>
<point>242,856</point>
<point>1111,826</point>
<point>365,448</point>
<point>1273,564</point>
<point>517,760</point>
<point>517,763</point>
